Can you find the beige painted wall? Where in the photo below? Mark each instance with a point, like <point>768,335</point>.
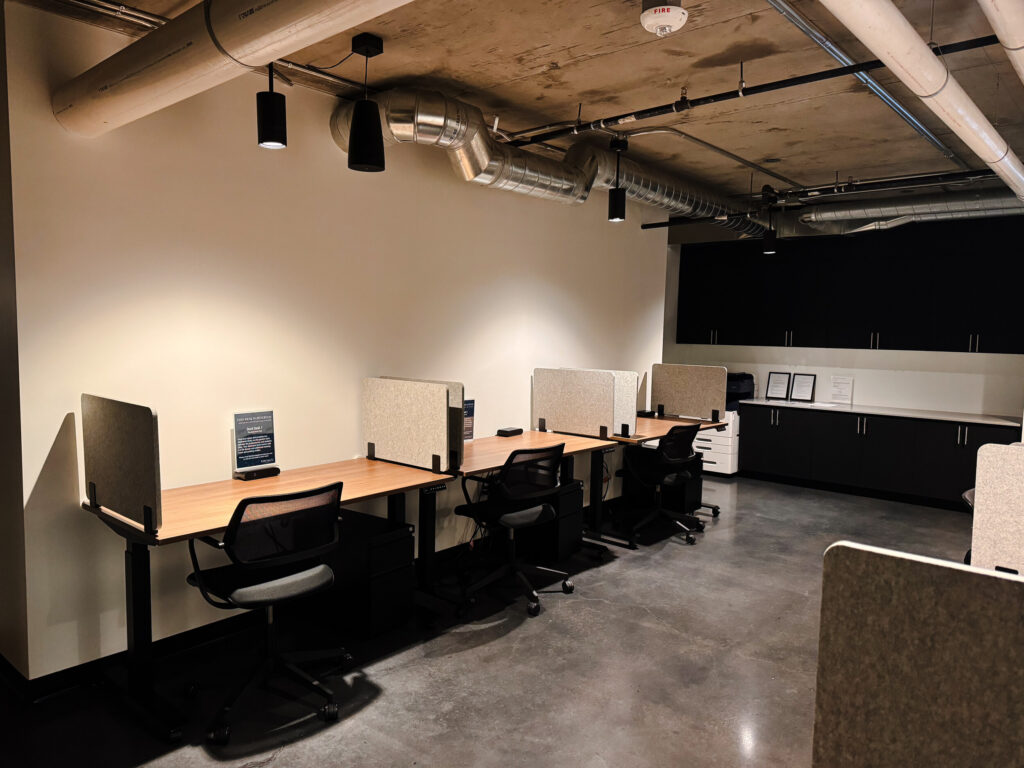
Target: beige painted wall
<point>173,263</point>
<point>940,381</point>
<point>13,634</point>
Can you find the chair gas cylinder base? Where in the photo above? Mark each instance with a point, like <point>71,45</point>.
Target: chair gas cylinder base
<point>274,543</point>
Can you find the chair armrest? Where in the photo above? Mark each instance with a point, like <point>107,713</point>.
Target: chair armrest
<point>476,479</point>
<point>198,573</point>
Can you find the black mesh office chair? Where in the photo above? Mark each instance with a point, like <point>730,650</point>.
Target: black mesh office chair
<point>669,465</point>
<point>518,496</point>
<point>274,543</point>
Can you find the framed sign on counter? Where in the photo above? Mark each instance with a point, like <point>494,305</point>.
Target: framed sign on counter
<point>255,454</point>
<point>778,386</point>
<point>803,387</point>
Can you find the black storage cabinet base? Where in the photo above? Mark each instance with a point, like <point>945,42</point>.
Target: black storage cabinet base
<point>375,574</point>
<point>559,539</point>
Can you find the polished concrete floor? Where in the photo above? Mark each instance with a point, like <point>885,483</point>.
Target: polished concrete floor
<point>671,655</point>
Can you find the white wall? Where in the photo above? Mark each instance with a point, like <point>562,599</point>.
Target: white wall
<point>173,263</point>
<point>940,381</point>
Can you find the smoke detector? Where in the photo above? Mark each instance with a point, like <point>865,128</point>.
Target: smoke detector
<point>663,17</point>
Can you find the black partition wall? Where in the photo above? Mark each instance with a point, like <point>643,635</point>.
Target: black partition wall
<point>950,286</point>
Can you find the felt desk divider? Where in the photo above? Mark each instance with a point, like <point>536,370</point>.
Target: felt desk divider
<point>456,416</point>
<point>997,538</point>
<point>573,400</point>
<point>407,422</point>
<point>693,391</point>
<point>122,459</point>
<point>627,385</point>
<point>920,662</point>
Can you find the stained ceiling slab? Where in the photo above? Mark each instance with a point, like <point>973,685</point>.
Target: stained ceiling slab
<point>535,62</point>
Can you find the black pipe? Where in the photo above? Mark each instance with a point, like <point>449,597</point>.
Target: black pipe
<point>679,220</point>
<point>906,182</point>
<point>777,85</point>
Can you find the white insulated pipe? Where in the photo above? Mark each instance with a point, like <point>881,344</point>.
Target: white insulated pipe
<point>182,58</point>
<point>881,26</point>
<point>1007,20</point>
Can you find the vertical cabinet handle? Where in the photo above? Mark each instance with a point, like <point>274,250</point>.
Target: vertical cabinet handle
<point>970,343</point>
<point>966,430</point>
<point>865,432</point>
<point>858,425</point>
<point>977,342</point>
<point>958,429</point>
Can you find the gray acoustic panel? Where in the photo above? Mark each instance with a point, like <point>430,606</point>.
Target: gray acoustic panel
<point>920,663</point>
<point>573,400</point>
<point>122,459</point>
<point>407,421</point>
<point>456,416</point>
<point>997,539</point>
<point>688,390</point>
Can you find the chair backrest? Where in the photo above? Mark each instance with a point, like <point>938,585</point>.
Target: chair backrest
<point>275,530</point>
<point>530,473</point>
<point>677,445</point>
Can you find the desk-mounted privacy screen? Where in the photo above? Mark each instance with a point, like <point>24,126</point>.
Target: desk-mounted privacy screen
<point>122,459</point>
<point>627,384</point>
<point>407,422</point>
<point>575,401</point>
<point>688,390</point>
<point>997,540</point>
<point>456,413</point>
<point>920,663</point>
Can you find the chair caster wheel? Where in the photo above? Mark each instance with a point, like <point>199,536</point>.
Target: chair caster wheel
<point>568,587</point>
<point>329,712</point>
<point>533,609</point>
<point>715,511</point>
<point>690,539</point>
<point>220,735</point>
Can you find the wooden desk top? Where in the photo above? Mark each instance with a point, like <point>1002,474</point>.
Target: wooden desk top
<point>652,429</point>
<point>200,510</point>
<point>488,453</point>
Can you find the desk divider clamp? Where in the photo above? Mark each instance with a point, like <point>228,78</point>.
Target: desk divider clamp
<point>661,411</point>
<point>604,433</point>
<point>370,451</point>
<point>435,463</point>
<point>542,425</point>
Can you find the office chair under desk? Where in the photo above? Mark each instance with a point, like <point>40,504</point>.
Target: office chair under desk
<point>274,543</point>
<point>518,496</point>
<point>673,463</point>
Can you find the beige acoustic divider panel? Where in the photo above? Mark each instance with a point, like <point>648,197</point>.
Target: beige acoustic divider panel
<point>688,390</point>
<point>997,540</point>
<point>122,459</point>
<point>573,400</point>
<point>920,663</point>
<point>456,415</point>
<point>627,384</point>
<point>406,422</point>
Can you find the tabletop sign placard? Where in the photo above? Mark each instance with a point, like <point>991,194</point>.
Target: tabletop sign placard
<point>778,386</point>
<point>254,448</point>
<point>468,411</point>
<point>803,387</point>
<point>842,390</point>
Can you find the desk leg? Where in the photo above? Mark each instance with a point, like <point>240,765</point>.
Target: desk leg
<point>165,720</point>
<point>396,508</point>
<point>596,532</point>
<point>426,533</point>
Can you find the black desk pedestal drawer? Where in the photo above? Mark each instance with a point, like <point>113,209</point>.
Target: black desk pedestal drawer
<point>375,573</point>
<point>555,541</point>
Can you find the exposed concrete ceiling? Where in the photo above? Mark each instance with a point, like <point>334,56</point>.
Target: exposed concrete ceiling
<point>533,62</point>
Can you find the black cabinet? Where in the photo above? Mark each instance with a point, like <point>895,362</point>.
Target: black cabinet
<point>923,458</point>
<point>777,441</point>
<point>933,287</point>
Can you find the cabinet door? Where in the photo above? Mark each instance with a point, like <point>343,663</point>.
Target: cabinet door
<point>838,448</point>
<point>758,438</point>
<point>794,431</point>
<point>890,458</point>
<point>945,466</point>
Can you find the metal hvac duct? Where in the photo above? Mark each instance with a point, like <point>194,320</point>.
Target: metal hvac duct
<point>1007,20</point>
<point>207,45</point>
<point>881,26</point>
<point>429,117</point>
<point>847,218</point>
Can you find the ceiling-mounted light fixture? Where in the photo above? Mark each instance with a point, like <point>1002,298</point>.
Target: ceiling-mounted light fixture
<point>271,120</point>
<point>365,139</point>
<point>769,245</point>
<point>617,195</point>
<point>663,17</point>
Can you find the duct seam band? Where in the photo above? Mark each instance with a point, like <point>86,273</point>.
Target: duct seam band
<point>941,87</point>
<point>207,6</point>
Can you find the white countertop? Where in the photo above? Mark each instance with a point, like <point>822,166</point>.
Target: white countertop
<point>881,410</point>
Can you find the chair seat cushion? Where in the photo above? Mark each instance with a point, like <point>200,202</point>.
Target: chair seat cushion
<point>253,587</point>
<point>676,478</point>
<point>524,518</point>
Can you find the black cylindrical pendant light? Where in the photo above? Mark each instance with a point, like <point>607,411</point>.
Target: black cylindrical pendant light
<point>365,139</point>
<point>617,195</point>
<point>271,120</point>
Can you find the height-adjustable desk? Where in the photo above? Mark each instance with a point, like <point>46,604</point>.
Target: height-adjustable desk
<point>206,509</point>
